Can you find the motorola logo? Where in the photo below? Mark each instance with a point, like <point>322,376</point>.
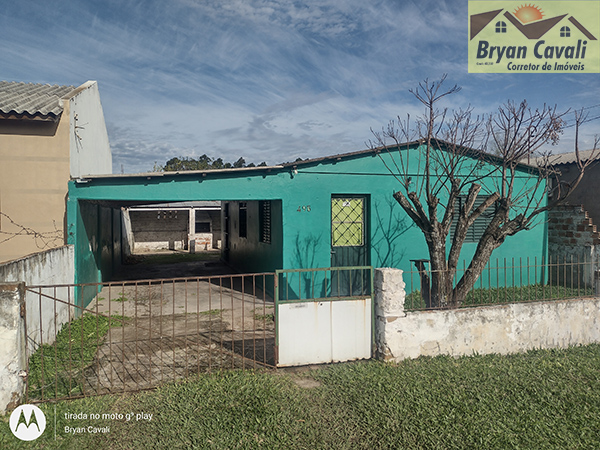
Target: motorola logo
<point>27,422</point>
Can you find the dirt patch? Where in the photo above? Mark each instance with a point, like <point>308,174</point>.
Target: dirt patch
<point>306,383</point>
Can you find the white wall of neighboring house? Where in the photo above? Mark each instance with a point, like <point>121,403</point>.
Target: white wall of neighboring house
<point>158,228</point>
<point>90,149</point>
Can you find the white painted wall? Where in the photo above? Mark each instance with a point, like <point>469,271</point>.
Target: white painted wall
<point>159,229</point>
<point>127,232</point>
<point>500,329</point>
<point>52,267</point>
<point>90,148</point>
<point>12,341</point>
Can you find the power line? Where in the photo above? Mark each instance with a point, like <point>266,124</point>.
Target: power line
<point>590,107</point>
<point>585,121</point>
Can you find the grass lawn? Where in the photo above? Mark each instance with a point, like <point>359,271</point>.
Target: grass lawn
<point>536,400</point>
<point>55,370</point>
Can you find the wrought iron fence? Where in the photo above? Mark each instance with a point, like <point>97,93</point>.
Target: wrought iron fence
<point>510,280</point>
<point>325,283</point>
<point>138,335</point>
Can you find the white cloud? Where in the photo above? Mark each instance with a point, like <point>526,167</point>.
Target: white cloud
<point>265,79</point>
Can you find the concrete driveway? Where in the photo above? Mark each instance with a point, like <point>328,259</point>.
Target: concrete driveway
<point>176,327</point>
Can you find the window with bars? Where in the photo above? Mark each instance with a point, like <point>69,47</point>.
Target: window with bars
<point>243,232</point>
<point>476,230</point>
<point>347,222</point>
<point>265,221</point>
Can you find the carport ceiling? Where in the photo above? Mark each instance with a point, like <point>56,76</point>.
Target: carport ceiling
<point>117,204</point>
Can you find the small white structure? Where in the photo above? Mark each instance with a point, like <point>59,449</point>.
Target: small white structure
<point>194,226</point>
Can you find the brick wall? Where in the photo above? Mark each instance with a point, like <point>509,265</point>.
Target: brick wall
<point>572,240</point>
<point>571,226</point>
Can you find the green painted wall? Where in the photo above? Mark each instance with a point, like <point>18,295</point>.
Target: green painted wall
<point>304,212</point>
<point>95,232</point>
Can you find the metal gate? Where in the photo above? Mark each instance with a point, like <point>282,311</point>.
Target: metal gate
<point>324,315</point>
<point>137,335</point>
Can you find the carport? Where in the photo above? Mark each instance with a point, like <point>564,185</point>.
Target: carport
<point>251,215</point>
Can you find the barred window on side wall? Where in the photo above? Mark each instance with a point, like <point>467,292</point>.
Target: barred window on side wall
<point>475,231</point>
<point>265,221</point>
<point>243,220</point>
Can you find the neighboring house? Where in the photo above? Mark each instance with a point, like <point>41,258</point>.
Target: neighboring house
<point>586,193</point>
<point>331,211</point>
<point>48,135</point>
<point>173,226</point>
<point>573,236</point>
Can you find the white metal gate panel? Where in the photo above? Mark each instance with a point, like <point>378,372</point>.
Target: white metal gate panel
<point>324,330</point>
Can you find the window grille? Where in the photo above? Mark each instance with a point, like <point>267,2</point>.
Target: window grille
<point>347,222</point>
<point>475,231</point>
<point>265,221</point>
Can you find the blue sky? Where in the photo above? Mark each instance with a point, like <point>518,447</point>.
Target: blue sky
<point>269,80</point>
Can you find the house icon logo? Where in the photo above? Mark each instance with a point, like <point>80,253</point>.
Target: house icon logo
<point>540,37</point>
<point>27,422</point>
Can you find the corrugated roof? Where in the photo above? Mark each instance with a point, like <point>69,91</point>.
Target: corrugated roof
<point>478,154</point>
<point>570,158</point>
<point>182,173</point>
<point>290,165</point>
<point>32,100</point>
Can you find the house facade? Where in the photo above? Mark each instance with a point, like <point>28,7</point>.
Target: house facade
<point>332,211</point>
<point>48,135</point>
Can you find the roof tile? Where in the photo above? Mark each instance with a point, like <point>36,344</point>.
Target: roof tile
<point>570,158</point>
<point>32,99</point>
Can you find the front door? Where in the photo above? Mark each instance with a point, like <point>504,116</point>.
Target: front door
<point>349,242</point>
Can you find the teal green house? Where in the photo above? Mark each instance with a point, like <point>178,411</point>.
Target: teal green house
<point>324,212</point>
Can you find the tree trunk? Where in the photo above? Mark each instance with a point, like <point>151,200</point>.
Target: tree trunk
<point>441,282</point>
<point>482,256</point>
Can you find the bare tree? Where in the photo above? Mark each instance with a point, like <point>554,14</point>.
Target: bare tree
<point>468,166</point>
